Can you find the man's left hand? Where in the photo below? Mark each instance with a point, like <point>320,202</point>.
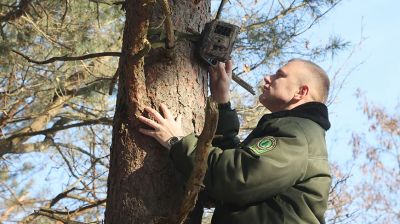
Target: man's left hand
<point>165,127</point>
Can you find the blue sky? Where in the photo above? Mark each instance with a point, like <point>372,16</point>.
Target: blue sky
<point>379,74</point>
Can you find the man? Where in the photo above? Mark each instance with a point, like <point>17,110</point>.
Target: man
<point>280,172</point>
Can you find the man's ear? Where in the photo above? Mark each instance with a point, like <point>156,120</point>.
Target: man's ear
<point>302,92</point>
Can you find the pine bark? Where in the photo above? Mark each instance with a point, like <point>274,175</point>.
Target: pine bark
<point>143,186</point>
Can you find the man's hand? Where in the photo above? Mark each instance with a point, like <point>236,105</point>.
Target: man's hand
<point>165,127</point>
<point>220,80</point>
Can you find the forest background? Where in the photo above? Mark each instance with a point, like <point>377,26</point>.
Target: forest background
<point>56,117</point>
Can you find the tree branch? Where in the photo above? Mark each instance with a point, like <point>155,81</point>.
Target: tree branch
<point>28,19</point>
<point>221,6</point>
<point>10,145</point>
<point>15,144</point>
<point>8,148</point>
<point>7,212</point>
<point>7,145</point>
<point>61,196</point>
<point>10,114</point>
<point>74,212</point>
<point>195,181</point>
<point>72,58</point>
<point>71,146</point>
<point>317,18</point>
<point>169,27</point>
<point>56,217</point>
<point>20,10</point>
<point>103,120</point>
<point>137,56</point>
<point>282,14</point>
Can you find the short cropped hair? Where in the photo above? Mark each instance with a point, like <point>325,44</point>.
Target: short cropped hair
<point>319,75</point>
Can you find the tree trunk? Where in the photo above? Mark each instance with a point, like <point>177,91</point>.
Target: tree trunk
<point>143,186</point>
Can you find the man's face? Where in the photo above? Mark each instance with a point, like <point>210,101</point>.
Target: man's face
<point>280,88</point>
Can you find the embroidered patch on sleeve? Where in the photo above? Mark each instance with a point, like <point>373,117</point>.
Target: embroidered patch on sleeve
<point>264,145</point>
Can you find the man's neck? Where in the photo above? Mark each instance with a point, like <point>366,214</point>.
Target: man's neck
<point>290,105</point>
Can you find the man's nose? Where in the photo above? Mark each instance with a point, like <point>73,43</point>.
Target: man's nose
<point>267,79</point>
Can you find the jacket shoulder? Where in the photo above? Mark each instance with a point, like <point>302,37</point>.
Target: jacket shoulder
<point>315,136</point>
<point>296,126</point>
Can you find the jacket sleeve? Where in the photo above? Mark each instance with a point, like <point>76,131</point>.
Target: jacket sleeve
<point>227,128</point>
<point>240,176</point>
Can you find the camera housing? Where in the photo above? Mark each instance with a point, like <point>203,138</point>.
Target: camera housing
<point>217,41</point>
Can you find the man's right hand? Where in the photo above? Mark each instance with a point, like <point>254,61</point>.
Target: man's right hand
<point>220,80</point>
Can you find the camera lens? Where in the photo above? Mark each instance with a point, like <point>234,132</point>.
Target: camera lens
<point>212,61</point>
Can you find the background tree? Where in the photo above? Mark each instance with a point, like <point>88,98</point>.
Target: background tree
<point>57,114</point>
<point>55,117</point>
<point>376,157</point>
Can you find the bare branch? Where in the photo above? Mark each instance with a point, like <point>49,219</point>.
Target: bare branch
<point>280,15</point>
<point>79,149</point>
<point>56,217</point>
<point>338,84</point>
<point>65,12</point>
<point>70,168</point>
<point>67,58</point>
<point>317,18</point>
<point>221,6</point>
<point>7,212</point>
<point>103,120</point>
<point>11,145</point>
<point>81,198</point>
<point>76,211</point>
<point>15,143</point>
<point>61,196</point>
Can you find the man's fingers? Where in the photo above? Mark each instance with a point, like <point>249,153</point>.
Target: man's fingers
<point>149,122</point>
<point>228,67</point>
<point>157,116</point>
<point>147,132</point>
<point>223,71</point>
<point>221,68</point>
<point>166,112</point>
<point>213,73</point>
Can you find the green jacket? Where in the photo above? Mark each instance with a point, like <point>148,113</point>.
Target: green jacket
<point>278,174</point>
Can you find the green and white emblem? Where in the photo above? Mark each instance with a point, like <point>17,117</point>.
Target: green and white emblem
<point>264,145</point>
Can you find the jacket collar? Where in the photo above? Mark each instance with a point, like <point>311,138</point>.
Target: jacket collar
<point>314,111</point>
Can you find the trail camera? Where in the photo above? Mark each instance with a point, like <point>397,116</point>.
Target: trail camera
<point>217,41</point>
